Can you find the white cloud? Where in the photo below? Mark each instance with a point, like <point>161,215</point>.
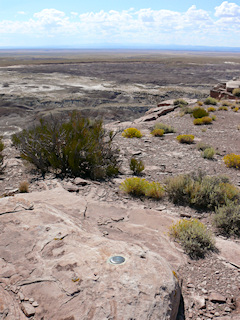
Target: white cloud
<point>146,26</point>
<point>22,12</point>
<point>227,9</point>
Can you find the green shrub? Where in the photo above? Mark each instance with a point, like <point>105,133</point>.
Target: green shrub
<point>211,109</point>
<point>165,127</point>
<point>185,138</point>
<point>236,92</point>
<point>208,153</point>
<point>201,191</point>
<point>136,166</point>
<point>23,187</point>
<point>76,147</point>
<point>180,102</point>
<point>211,101</point>
<point>232,160</point>
<point>224,108</point>
<point>141,187</point>
<point>194,237</point>
<point>199,113</point>
<point>236,109</point>
<point>227,219</point>
<point>206,120</point>
<point>157,132</point>
<point>132,133</point>
<point>200,103</point>
<point>214,118</point>
<point>134,186</point>
<point>154,190</point>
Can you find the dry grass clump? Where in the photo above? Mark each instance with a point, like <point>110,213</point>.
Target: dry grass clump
<point>223,108</point>
<point>132,133</point>
<point>140,187</point>
<point>201,146</point>
<point>211,101</point>
<point>185,138</point>
<point>157,132</point>
<point>201,191</point>
<point>165,127</point>
<point>193,236</point>
<point>226,103</point>
<point>232,160</point>
<point>211,109</point>
<point>23,187</point>
<point>137,166</point>
<point>227,220</point>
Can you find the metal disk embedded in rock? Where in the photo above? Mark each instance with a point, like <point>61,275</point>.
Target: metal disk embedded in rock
<point>117,260</point>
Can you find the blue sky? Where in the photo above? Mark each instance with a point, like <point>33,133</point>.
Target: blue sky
<point>116,23</point>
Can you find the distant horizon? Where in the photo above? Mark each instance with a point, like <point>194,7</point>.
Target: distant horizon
<point>128,48</point>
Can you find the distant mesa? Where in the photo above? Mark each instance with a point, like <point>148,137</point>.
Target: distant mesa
<point>224,90</point>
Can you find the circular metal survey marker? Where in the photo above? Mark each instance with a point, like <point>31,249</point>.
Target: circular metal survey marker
<point>116,260</point>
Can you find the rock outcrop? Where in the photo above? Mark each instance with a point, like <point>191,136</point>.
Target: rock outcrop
<point>53,266</point>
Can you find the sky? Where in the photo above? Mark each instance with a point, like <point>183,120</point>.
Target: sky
<point>119,23</point>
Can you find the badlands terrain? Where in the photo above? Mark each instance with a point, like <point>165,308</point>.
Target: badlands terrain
<point>56,240</point>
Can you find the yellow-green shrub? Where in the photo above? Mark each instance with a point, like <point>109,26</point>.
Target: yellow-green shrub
<point>200,103</point>
<point>208,153</point>
<point>232,160</point>
<point>214,118</point>
<point>199,113</point>
<point>224,108</point>
<point>236,109</point>
<point>132,133</point>
<point>185,138</point>
<point>193,236</point>
<point>137,166</point>
<point>157,132</point>
<point>210,100</point>
<point>236,92</point>
<point>203,120</point>
<point>197,122</point>
<point>134,186</point>
<point>154,190</point>
<point>141,187</point>
<point>211,109</point>
<point>180,102</point>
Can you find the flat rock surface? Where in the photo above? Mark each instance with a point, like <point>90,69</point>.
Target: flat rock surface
<point>56,254</point>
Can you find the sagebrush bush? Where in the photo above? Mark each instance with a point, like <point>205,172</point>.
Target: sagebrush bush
<point>211,101</point>
<point>201,191</point>
<point>137,166</point>
<point>232,160</point>
<point>211,109</point>
<point>198,122</point>
<point>194,237</point>
<point>199,113</point>
<point>76,147</point>
<point>165,127</point>
<point>157,132</point>
<point>206,120</point>
<point>185,138</point>
<point>132,133</point>
<point>236,92</point>
<point>23,187</point>
<point>227,219</point>
<point>180,102</point>
<point>141,187</point>
<point>236,109</point>
<point>208,153</point>
<point>224,108</point>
